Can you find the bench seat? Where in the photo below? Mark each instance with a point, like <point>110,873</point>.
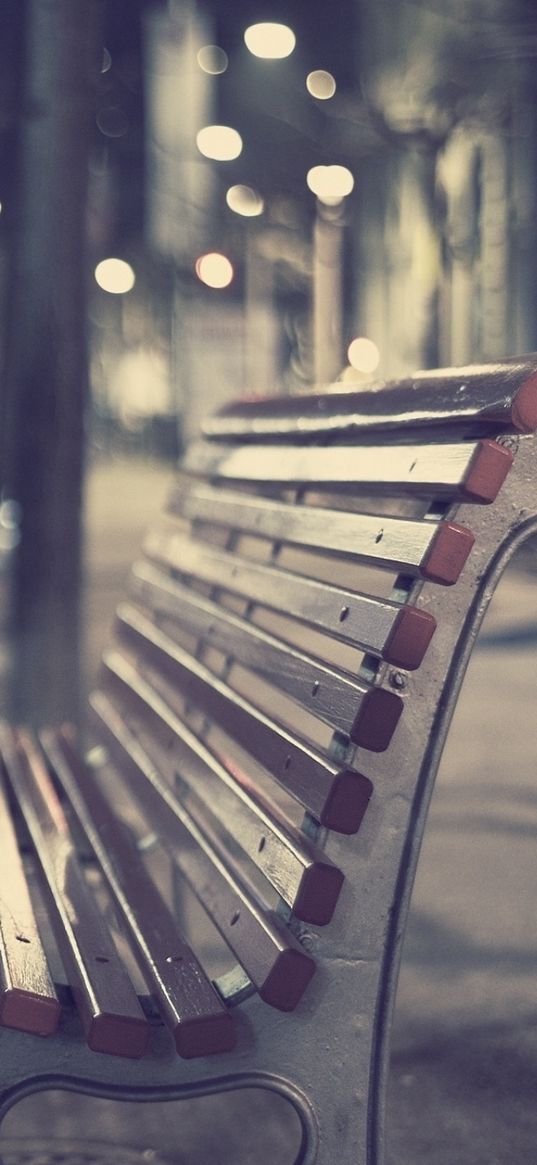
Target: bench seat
<point>262,744</point>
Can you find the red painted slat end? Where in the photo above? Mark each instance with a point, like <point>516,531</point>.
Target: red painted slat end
<point>318,893</point>
<point>377,720</point>
<point>410,637</point>
<point>206,1036</point>
<point>487,472</point>
<point>27,1012</point>
<point>119,1036</point>
<point>286,982</point>
<point>524,406</point>
<point>447,554</point>
<point>349,797</point>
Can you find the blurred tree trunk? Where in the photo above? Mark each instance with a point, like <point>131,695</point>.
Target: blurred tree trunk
<point>46,364</point>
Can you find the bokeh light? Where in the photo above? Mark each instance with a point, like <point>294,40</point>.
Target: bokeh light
<point>244,200</point>
<point>330,183</point>
<point>212,59</point>
<point>221,143</point>
<point>214,269</point>
<point>115,276</point>
<point>271,41</point>
<point>112,121</point>
<point>321,84</point>
<point>363,354</point>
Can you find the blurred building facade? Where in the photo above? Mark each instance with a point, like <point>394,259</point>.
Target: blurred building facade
<point>430,257</point>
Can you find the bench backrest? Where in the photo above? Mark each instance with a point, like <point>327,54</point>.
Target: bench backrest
<point>283,675</point>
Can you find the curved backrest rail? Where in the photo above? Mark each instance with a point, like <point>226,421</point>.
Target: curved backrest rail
<point>438,690</point>
<point>478,398</point>
<point>399,634</point>
<point>299,872</point>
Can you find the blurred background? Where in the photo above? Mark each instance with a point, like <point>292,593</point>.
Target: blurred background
<point>201,199</point>
<point>193,209</point>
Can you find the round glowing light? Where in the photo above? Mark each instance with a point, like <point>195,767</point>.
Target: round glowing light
<point>106,62</point>
<point>245,200</point>
<point>330,183</point>
<point>214,269</point>
<point>363,354</point>
<point>212,59</point>
<point>115,276</point>
<point>112,121</point>
<point>271,41</point>
<point>221,143</point>
<point>321,84</point>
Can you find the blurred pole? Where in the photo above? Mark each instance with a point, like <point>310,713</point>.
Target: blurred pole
<point>260,338</point>
<point>458,173</point>
<point>46,364</point>
<point>327,292</point>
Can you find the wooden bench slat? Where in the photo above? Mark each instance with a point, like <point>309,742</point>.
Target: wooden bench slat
<point>373,728</point>
<point>427,549</point>
<point>398,634</point>
<point>273,959</point>
<point>111,1015</point>
<point>375,722</point>
<point>303,876</point>
<point>474,471</point>
<point>28,1000</point>
<point>187,1000</point>
<point>337,797</point>
<point>476,398</point>
<point>334,697</point>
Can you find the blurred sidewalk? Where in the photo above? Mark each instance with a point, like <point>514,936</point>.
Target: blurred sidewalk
<point>123,495</point>
<point>464,1076</point>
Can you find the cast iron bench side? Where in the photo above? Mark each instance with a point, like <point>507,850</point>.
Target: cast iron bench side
<point>265,566</point>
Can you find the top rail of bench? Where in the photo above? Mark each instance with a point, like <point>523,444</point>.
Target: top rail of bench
<point>477,398</point>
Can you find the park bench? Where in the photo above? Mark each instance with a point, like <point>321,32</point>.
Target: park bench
<point>264,740</point>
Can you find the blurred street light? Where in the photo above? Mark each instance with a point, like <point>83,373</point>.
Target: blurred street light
<point>214,269</point>
<point>270,41</point>
<point>115,276</point>
<point>220,143</point>
<point>363,354</point>
<point>331,184</point>
<point>212,59</point>
<point>321,84</point>
<point>245,200</point>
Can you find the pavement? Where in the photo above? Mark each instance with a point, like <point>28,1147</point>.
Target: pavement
<point>463,1086</point>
